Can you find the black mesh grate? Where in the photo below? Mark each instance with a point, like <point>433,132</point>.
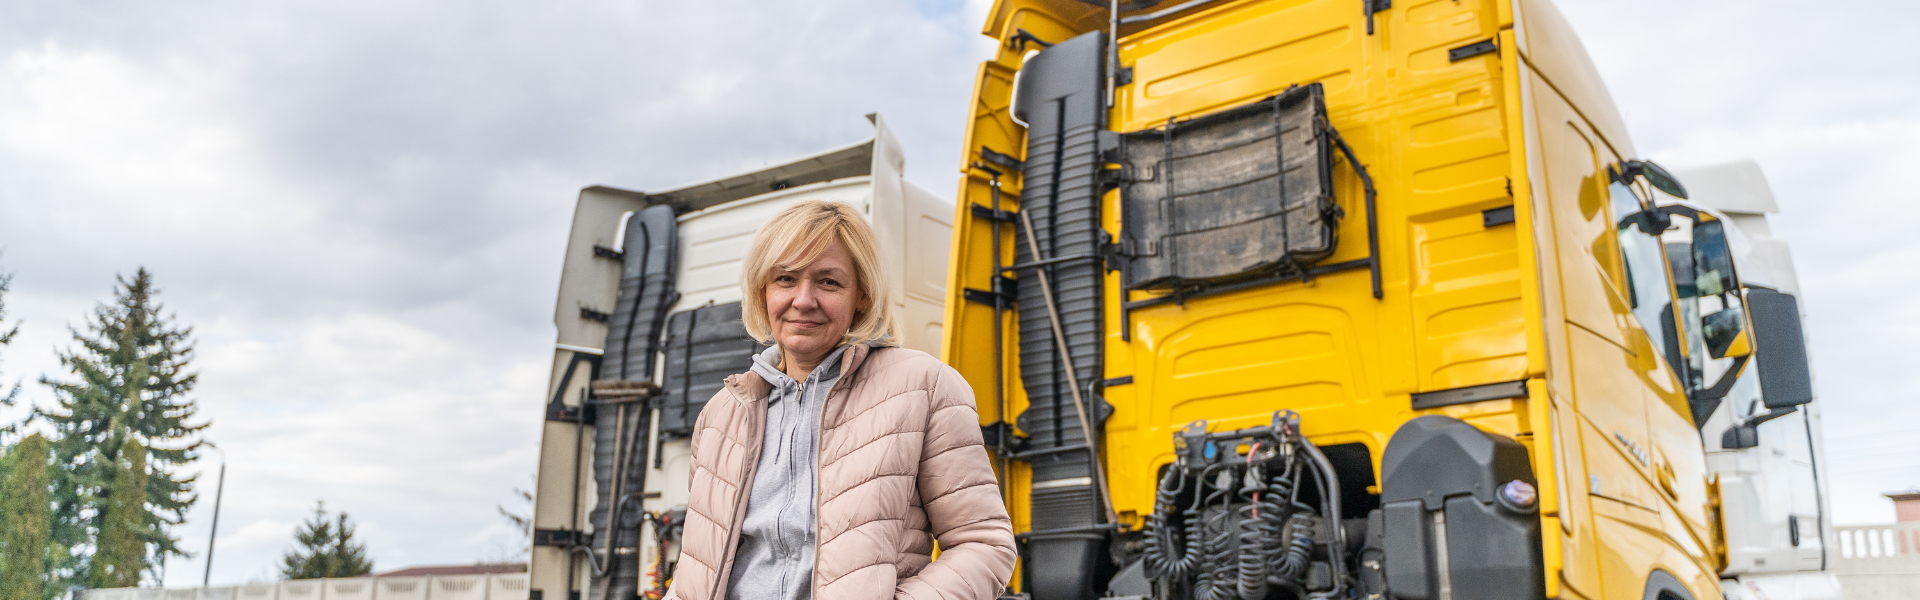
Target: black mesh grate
<point>1238,193</point>
<point>703,346</point>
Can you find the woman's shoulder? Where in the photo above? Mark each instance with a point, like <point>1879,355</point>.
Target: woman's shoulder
<point>903,361</point>
<point>728,404</point>
<point>908,369</point>
<point>890,355</point>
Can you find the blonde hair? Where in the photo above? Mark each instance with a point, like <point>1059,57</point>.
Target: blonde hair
<point>795,238</point>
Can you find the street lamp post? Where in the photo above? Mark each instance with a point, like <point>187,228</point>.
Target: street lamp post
<point>219,490</point>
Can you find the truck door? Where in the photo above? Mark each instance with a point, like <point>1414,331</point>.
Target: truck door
<point>1612,508</point>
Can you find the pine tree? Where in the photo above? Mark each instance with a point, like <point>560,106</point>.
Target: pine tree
<point>349,557</point>
<point>6,337</point>
<point>121,552</point>
<point>24,505</point>
<point>325,548</point>
<point>24,518</point>
<point>131,385</point>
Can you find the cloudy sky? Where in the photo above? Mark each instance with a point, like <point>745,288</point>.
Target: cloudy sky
<point>359,206</point>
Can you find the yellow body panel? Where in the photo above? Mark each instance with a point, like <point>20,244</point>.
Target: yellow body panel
<point>1620,466</point>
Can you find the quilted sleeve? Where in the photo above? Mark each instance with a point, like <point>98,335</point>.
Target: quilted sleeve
<point>962,501</point>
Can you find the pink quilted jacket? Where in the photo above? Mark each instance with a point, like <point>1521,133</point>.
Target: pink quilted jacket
<point>901,465</point>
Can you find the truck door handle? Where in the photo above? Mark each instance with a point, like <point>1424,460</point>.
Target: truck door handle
<point>1667,479</point>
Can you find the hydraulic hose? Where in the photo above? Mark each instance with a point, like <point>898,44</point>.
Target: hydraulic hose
<point>1275,507</point>
<point>1217,568</point>
<point>1251,558</point>
<point>1299,550</point>
<point>1257,531</point>
<point>1330,494</point>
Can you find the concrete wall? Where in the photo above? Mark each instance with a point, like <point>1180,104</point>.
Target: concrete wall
<point>498,586</point>
<point>1879,562</point>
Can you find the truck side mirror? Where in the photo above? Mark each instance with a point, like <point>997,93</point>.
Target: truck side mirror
<point>1657,176</point>
<point>1704,268</point>
<point>1740,436</point>
<point>1726,333</point>
<point>1712,259</point>
<point>1745,433</point>
<point>1780,348</point>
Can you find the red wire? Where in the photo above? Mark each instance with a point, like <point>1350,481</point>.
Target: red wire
<point>1256,495</point>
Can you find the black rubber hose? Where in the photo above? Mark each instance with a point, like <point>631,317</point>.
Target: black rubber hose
<point>1167,552</point>
<point>1275,507</point>
<point>1195,556</point>
<point>1198,538</point>
<point>1299,551</point>
<point>1217,569</point>
<point>1330,500</point>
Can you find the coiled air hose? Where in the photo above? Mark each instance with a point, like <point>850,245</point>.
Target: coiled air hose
<point>1299,550</point>
<point>1217,569</point>
<point>1276,505</point>
<point>1171,554</point>
<point>1258,530</point>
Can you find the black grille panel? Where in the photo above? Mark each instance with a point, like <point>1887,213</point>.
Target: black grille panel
<point>703,346</point>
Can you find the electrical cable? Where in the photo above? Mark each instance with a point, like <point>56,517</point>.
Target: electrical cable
<point>1217,568</point>
<point>1256,532</point>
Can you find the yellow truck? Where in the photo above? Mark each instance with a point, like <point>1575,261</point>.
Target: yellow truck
<point>1328,299</point>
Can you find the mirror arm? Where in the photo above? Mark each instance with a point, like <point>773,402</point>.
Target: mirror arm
<point>1725,384</point>
<point>1746,433</point>
<point>1704,401</point>
<point>1756,420</point>
<point>1682,210</point>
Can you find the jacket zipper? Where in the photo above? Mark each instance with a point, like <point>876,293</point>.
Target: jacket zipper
<point>758,431</point>
<point>847,365</point>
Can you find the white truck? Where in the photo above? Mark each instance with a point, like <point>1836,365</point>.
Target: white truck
<point>649,324</point>
<point>1770,464</point>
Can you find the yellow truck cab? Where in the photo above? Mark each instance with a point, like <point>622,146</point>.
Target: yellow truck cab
<point>1342,299</point>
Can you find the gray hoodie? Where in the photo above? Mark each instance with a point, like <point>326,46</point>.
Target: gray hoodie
<point>775,558</point>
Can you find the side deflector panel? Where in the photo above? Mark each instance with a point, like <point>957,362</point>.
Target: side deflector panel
<point>703,346</point>
<point>1236,193</point>
<point>1060,97</point>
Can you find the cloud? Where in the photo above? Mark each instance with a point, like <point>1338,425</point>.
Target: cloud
<point>359,206</point>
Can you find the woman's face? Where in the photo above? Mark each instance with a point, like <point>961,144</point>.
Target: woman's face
<point>810,308</point>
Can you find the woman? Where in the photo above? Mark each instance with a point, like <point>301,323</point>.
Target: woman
<point>830,469</point>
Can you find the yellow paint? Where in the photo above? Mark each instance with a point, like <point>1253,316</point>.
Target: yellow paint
<point>1622,477</point>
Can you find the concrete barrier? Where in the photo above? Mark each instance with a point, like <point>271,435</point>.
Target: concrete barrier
<point>497,586</point>
<point>1879,562</point>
